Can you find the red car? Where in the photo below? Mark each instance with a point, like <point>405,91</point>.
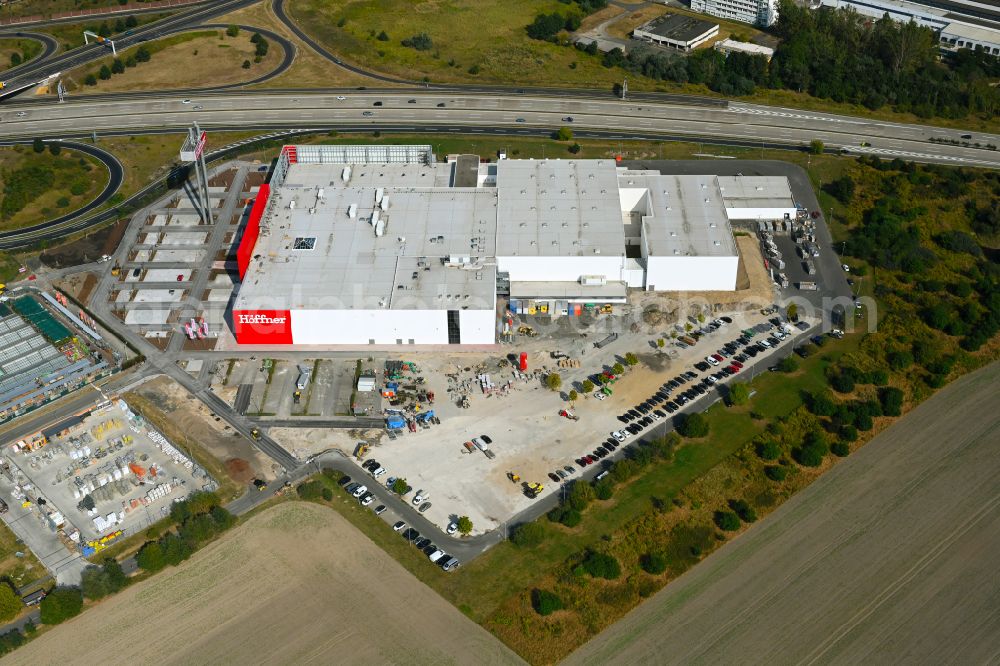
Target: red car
<point>734,368</point>
<point>591,460</point>
<point>718,357</point>
<point>180,278</point>
<point>738,365</point>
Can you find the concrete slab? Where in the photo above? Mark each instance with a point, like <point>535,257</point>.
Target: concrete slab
<point>184,220</point>
<point>194,366</point>
<point>279,395</point>
<point>146,317</point>
<point>159,220</point>
<point>184,238</point>
<point>142,256</point>
<point>188,256</point>
<point>167,275</point>
<point>151,238</point>
<point>223,280</point>
<point>124,296</point>
<point>219,295</point>
<point>158,295</point>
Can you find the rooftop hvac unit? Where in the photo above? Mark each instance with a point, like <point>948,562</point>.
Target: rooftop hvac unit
<point>375,216</point>
<point>379,193</point>
<point>380,228</point>
<point>352,211</point>
<point>384,204</point>
<point>345,175</point>
<point>593,280</point>
<point>319,193</point>
<point>291,205</point>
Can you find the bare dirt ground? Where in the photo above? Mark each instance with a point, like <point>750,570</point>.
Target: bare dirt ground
<point>296,585</point>
<point>193,418</point>
<point>888,558</point>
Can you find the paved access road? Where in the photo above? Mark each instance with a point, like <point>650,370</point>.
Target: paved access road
<point>482,112</point>
<point>888,558</point>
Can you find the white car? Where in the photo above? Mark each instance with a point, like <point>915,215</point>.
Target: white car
<point>341,98</point>
<point>617,434</point>
<point>360,491</point>
<point>398,526</point>
<point>367,499</point>
<point>21,114</point>
<point>379,472</point>
<point>420,497</point>
<point>711,360</point>
<point>847,269</point>
<point>480,444</point>
<point>656,417</point>
<point>718,322</point>
<point>765,344</point>
<point>624,434</point>
<point>452,528</point>
<point>599,395</point>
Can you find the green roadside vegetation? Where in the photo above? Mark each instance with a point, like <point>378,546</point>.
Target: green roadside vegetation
<point>70,35</point>
<point>887,71</point>
<point>186,60</point>
<point>18,565</point>
<point>18,51</point>
<point>45,180</point>
<point>49,8</point>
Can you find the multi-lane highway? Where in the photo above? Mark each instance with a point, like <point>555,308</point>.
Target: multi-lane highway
<point>476,112</point>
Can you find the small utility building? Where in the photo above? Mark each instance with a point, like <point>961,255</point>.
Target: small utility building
<point>676,31</point>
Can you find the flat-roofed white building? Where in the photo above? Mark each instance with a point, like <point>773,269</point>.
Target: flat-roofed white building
<point>677,31</point>
<point>728,46</point>
<point>382,245</point>
<point>757,12</point>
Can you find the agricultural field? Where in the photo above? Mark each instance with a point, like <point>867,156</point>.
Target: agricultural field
<point>295,584</point>
<point>189,60</point>
<point>36,186</point>
<point>52,7</point>
<point>800,585</point>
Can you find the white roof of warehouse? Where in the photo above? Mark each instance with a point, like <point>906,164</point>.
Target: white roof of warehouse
<point>683,215</point>
<point>558,208</point>
<point>756,192</point>
<point>349,266</point>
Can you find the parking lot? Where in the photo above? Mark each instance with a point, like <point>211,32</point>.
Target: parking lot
<point>97,475</point>
<point>267,387</point>
<point>521,417</point>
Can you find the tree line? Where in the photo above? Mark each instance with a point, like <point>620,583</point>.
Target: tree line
<point>831,54</point>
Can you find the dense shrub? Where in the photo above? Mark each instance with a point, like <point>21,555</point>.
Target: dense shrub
<point>726,521</point>
<point>545,602</point>
<point>527,535</point>
<point>814,448</point>
<point>603,490</point>
<point>775,472</point>
<point>788,364</point>
<point>10,602</point>
<point>653,563</point>
<point>310,490</point>
<point>693,425</point>
<point>743,510</point>
<point>768,450</point>
<point>420,42</point>
<point>61,604</point>
<point>602,565</point>
<point>840,449</point>
<point>847,433</point>
<point>891,400</point>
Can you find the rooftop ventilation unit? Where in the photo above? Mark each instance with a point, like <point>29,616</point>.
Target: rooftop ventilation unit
<point>345,175</point>
<point>352,211</point>
<point>379,193</point>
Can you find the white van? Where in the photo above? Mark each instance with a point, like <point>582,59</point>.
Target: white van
<point>436,555</point>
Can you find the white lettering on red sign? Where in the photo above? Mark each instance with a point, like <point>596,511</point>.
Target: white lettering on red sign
<point>260,319</point>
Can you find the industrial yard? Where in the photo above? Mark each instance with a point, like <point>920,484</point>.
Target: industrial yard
<point>96,477</point>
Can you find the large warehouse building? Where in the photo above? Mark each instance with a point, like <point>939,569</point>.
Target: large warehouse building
<point>359,245</point>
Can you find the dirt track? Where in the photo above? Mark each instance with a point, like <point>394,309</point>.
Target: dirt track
<point>296,585</point>
<point>888,558</point>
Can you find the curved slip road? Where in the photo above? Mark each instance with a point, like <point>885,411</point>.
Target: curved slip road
<point>888,558</point>
<point>49,46</point>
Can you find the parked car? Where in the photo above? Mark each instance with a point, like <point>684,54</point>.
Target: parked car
<point>419,497</point>
<point>344,480</point>
<point>360,491</point>
<point>380,509</point>
<point>424,507</point>
<point>452,528</point>
<point>398,526</point>
<point>367,499</point>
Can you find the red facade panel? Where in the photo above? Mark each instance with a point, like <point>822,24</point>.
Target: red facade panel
<point>245,251</point>
<point>262,327</point>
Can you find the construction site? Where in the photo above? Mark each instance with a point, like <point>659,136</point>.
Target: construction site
<point>96,477</point>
